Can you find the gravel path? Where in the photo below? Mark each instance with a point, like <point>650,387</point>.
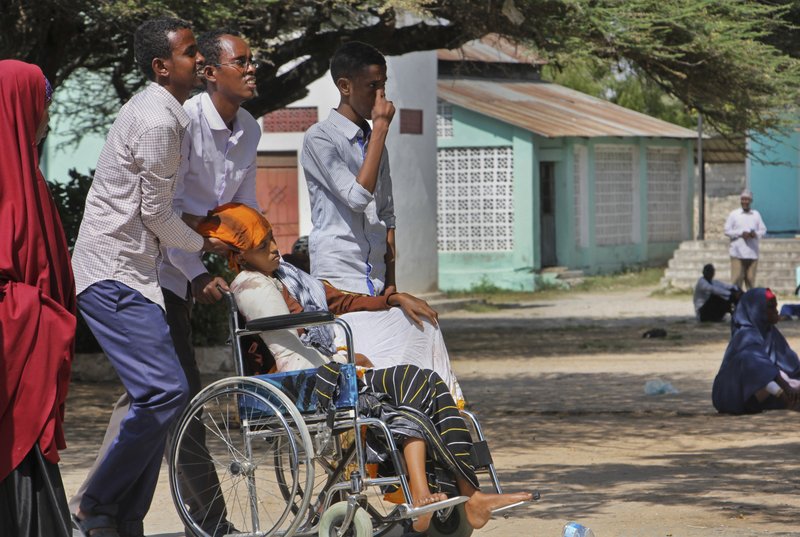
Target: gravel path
<point>559,387</point>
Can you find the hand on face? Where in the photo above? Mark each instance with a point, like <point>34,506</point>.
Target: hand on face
<point>382,110</point>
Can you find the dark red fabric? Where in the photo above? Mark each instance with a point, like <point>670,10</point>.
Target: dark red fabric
<point>37,290</point>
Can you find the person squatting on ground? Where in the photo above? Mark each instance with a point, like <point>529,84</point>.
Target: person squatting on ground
<point>346,166</point>
<point>713,299</point>
<point>218,165</point>
<point>744,227</point>
<point>128,217</point>
<point>759,371</point>
<point>394,388</point>
<point>37,316</point>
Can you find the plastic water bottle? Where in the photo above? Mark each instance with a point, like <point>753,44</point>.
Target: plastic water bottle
<point>573,529</point>
<point>658,387</point>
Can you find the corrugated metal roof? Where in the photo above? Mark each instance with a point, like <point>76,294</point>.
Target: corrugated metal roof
<point>551,110</point>
<point>491,48</point>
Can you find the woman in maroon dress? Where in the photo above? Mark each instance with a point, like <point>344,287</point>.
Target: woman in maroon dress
<point>37,315</point>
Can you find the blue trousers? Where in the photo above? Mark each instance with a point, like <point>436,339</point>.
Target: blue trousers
<point>133,333</point>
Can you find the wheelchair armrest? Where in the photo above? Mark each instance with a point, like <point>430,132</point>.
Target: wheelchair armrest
<point>292,320</point>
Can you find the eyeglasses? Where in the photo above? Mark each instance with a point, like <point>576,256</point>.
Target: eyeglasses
<point>241,64</point>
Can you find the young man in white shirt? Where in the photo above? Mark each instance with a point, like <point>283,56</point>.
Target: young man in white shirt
<point>347,171</point>
<point>346,165</point>
<point>713,299</point>
<point>744,227</point>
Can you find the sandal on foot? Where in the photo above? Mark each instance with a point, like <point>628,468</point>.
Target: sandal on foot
<point>96,526</point>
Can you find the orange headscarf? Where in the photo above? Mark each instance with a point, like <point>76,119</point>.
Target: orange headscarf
<point>238,225</point>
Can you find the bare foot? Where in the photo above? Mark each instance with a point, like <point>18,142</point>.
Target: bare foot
<point>480,505</point>
<point>421,524</point>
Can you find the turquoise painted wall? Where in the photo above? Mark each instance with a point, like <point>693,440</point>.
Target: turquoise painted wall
<point>59,158</point>
<point>516,270</point>
<point>774,181</point>
<point>509,270</point>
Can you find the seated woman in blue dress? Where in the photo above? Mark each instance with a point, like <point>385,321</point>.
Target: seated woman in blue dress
<point>759,371</point>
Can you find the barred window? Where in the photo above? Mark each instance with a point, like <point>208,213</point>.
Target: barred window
<point>580,182</point>
<point>476,199</point>
<point>665,194</point>
<point>444,119</point>
<point>616,187</point>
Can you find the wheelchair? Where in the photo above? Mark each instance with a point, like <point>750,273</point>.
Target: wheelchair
<point>273,463</point>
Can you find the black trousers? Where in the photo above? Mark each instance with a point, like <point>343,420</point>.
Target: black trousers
<point>197,476</point>
<point>32,500</point>
<point>715,309</point>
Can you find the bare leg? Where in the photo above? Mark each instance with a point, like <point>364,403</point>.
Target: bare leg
<point>480,505</point>
<point>414,453</point>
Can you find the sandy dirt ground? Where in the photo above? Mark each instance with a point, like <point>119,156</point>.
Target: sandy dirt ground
<point>559,387</point>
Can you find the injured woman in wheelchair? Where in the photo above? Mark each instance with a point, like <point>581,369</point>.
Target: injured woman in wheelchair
<point>266,286</point>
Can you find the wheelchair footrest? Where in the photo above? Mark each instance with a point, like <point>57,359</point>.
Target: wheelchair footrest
<point>413,512</point>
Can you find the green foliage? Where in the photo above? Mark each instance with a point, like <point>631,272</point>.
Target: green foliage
<point>70,198</point>
<point>622,85</point>
<point>734,60</point>
<point>484,287</point>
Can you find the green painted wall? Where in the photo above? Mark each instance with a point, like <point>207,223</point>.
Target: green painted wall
<point>510,270</point>
<point>775,180</point>
<point>517,269</point>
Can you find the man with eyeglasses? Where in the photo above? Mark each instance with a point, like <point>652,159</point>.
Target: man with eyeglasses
<point>218,166</point>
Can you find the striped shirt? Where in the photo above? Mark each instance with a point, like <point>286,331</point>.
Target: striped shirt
<point>348,242</point>
<point>129,207</point>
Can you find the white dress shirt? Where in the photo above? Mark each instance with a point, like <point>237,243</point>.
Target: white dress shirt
<point>737,223</point>
<point>347,244</point>
<point>703,290</point>
<point>218,166</point>
<point>129,207</point>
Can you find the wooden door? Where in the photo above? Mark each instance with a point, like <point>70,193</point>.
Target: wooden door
<point>276,190</point>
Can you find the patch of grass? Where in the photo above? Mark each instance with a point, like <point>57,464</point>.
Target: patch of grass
<point>481,307</point>
<point>629,277</point>
<point>546,289</point>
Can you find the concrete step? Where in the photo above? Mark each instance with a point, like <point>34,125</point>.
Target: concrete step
<point>765,245</point>
<point>554,270</point>
<point>776,267</point>
<point>710,256</point>
<point>568,275</point>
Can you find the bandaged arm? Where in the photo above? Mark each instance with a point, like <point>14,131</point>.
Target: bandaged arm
<point>259,296</point>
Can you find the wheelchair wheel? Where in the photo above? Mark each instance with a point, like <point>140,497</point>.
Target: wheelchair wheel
<point>222,460</point>
<point>454,525</point>
<point>332,519</point>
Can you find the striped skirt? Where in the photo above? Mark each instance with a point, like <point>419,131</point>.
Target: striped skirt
<point>416,403</point>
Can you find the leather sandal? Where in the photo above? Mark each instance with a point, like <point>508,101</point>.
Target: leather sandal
<point>96,526</point>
